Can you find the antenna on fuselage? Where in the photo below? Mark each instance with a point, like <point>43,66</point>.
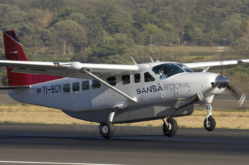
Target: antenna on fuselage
<point>133,61</point>
<point>151,59</point>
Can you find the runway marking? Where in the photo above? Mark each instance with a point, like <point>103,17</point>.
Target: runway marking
<point>27,162</point>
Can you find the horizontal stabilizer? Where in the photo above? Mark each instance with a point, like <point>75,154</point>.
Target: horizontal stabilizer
<point>15,87</point>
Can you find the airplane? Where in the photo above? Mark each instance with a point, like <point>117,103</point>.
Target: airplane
<point>110,93</point>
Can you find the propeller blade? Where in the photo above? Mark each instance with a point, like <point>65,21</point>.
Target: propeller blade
<point>242,99</point>
<point>235,93</point>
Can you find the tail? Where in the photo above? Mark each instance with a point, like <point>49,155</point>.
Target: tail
<point>14,51</point>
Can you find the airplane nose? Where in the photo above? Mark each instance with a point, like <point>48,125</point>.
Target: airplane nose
<point>221,81</point>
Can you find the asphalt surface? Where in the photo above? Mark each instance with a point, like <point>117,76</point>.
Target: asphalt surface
<point>5,98</point>
<point>68,144</point>
<point>25,143</point>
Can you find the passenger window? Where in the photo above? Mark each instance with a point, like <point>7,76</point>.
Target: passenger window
<point>85,85</point>
<point>76,86</point>
<point>148,77</point>
<point>111,81</point>
<point>126,79</point>
<point>66,87</point>
<point>137,78</point>
<point>95,84</point>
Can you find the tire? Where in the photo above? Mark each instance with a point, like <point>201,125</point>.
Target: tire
<point>211,125</point>
<point>106,129</point>
<point>173,129</point>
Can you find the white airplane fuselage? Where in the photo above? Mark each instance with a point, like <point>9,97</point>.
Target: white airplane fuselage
<point>178,87</point>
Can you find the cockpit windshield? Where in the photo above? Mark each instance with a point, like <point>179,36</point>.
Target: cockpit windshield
<point>187,69</point>
<point>164,71</point>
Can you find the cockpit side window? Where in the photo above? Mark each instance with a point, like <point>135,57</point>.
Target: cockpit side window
<point>111,81</point>
<point>148,77</point>
<point>164,71</point>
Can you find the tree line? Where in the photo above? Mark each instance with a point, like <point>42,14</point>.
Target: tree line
<point>45,26</point>
<point>110,31</point>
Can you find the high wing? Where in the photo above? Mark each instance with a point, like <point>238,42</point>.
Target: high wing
<point>76,69</point>
<point>67,69</point>
<point>213,65</point>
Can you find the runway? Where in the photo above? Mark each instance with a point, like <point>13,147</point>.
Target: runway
<point>70,144</point>
<point>5,98</point>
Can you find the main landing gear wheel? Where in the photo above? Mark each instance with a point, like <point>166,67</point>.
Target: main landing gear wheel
<point>106,129</point>
<point>170,127</point>
<point>210,125</point>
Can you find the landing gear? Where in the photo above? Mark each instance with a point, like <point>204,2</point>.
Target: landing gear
<point>209,122</point>
<point>170,127</point>
<point>106,128</point>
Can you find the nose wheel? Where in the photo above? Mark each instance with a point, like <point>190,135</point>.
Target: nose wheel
<point>170,127</point>
<point>209,122</point>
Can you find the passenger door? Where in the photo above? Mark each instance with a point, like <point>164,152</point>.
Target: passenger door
<point>81,95</point>
<point>65,98</point>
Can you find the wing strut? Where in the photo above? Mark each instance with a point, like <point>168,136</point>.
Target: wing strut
<point>113,88</point>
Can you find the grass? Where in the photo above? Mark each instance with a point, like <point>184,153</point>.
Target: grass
<point>182,126</point>
<point>224,110</point>
<point>202,53</point>
<point>196,52</point>
<point>196,109</point>
<point>189,49</point>
<point>4,104</point>
<point>54,58</point>
<point>150,125</point>
<point>225,118</point>
<point>20,122</point>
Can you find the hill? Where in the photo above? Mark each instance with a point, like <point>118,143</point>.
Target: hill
<point>110,31</point>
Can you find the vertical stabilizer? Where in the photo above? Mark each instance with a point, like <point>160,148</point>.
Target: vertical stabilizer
<point>14,51</point>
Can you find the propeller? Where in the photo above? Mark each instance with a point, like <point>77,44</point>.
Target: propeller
<point>235,93</point>
<point>222,82</point>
